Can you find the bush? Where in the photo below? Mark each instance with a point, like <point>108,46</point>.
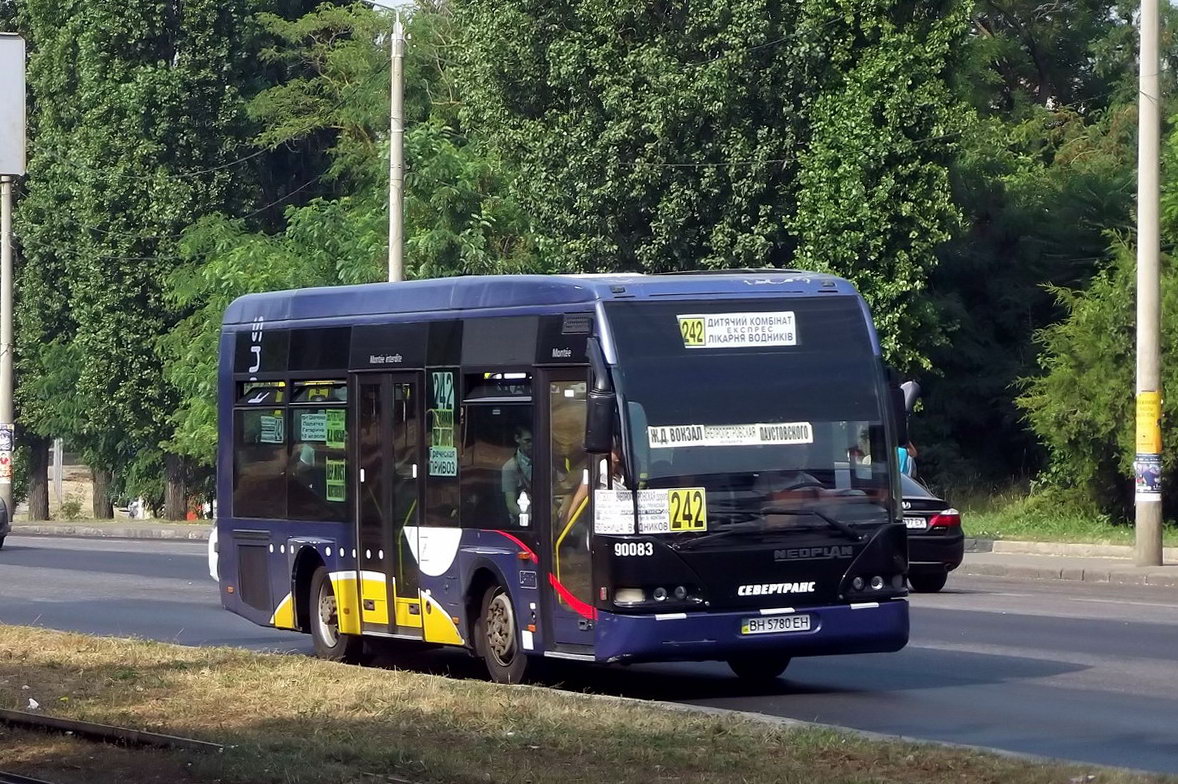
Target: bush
<point>71,508</point>
<point>1082,407</point>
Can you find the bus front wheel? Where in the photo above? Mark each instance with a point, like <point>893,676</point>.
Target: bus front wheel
<point>761,667</point>
<point>329,643</point>
<point>499,638</point>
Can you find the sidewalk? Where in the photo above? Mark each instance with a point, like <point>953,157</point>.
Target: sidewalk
<point>983,557</point>
<point>117,529</point>
<point>1058,561</point>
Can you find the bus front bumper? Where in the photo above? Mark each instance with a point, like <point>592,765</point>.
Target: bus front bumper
<point>861,628</point>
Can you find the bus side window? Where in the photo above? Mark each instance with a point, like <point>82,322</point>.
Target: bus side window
<point>317,467</point>
<point>496,474</point>
<point>259,463</point>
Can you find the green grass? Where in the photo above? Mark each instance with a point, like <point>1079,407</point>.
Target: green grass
<point>292,719</point>
<point>1014,514</point>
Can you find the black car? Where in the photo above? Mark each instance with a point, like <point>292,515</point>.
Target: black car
<point>936,544</point>
<point>5,523</point>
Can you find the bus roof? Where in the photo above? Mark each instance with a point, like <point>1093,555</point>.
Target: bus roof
<point>474,293</point>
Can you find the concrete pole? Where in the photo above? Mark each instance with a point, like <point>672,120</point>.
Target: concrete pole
<point>6,428</point>
<point>1147,466</point>
<point>397,156</point>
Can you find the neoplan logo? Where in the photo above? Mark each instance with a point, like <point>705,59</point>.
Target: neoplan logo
<point>813,553</point>
<point>769,589</point>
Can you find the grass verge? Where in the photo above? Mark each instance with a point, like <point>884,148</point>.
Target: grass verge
<point>293,719</point>
<point>1013,514</point>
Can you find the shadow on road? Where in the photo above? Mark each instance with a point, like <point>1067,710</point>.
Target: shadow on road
<point>914,668</point>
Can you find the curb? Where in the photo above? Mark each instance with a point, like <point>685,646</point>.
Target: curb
<point>176,532</point>
<point>1120,575</point>
<point>1017,547</point>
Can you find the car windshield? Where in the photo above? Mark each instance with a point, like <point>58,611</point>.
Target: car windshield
<point>772,407</point>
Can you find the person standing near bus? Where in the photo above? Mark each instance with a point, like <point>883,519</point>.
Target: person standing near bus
<point>516,475</point>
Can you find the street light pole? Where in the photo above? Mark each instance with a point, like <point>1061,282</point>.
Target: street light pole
<point>1148,463</point>
<point>397,156</point>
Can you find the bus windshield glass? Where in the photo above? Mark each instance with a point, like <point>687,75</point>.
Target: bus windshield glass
<point>774,408</point>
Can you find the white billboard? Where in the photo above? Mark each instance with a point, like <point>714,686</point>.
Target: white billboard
<point>12,104</point>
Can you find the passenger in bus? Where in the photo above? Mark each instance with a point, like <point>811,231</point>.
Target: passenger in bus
<point>516,474</point>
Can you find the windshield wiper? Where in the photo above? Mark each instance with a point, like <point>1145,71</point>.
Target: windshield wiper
<point>838,525</point>
<point>732,530</point>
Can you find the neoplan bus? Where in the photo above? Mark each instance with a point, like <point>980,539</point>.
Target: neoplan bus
<point>606,468</point>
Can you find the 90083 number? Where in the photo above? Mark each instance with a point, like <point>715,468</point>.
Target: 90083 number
<point>623,549</point>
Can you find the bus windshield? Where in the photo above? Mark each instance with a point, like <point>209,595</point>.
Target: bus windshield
<point>772,407</point>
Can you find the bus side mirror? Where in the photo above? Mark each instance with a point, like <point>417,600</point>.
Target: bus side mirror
<point>601,403</point>
<point>911,392</point>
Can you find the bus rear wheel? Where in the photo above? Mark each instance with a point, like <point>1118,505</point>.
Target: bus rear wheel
<point>758,667</point>
<point>499,639</point>
<point>329,643</point>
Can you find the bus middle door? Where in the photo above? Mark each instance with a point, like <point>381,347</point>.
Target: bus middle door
<point>390,422</point>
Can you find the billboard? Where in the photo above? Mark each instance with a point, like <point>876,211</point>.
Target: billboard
<point>12,104</point>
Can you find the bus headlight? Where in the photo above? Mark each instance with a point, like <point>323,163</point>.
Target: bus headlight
<point>680,592</point>
<point>857,583</point>
<point>877,583</point>
<point>629,596</point>
<point>660,594</point>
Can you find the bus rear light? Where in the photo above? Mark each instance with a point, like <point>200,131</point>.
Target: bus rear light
<point>950,518</point>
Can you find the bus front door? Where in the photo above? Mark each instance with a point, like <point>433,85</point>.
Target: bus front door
<point>389,493</point>
<point>570,610</point>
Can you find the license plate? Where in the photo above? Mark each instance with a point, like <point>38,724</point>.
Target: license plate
<point>775,624</point>
<point>916,522</point>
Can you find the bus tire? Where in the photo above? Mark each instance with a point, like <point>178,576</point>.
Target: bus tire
<point>928,582</point>
<point>325,633</point>
<point>499,637</point>
<point>758,667</point>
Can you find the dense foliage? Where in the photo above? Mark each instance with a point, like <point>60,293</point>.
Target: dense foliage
<point>728,134</point>
<point>968,164</point>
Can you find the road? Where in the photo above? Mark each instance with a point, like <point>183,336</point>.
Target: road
<point>1070,670</point>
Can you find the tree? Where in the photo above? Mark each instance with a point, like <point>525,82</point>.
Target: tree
<point>676,136</point>
<point>458,219</point>
<point>139,122</point>
<point>1043,173</point>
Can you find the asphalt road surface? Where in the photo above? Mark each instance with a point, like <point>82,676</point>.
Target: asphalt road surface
<point>1062,669</point>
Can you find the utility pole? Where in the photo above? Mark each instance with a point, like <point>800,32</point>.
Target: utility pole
<point>12,165</point>
<point>397,156</point>
<point>1147,467</point>
<point>6,425</point>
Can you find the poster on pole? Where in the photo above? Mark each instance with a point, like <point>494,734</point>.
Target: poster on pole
<point>12,104</point>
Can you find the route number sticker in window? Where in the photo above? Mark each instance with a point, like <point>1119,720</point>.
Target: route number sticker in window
<point>692,330</point>
<point>687,510</point>
<point>738,330</point>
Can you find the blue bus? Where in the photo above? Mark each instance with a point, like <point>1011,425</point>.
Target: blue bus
<point>620,468</point>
